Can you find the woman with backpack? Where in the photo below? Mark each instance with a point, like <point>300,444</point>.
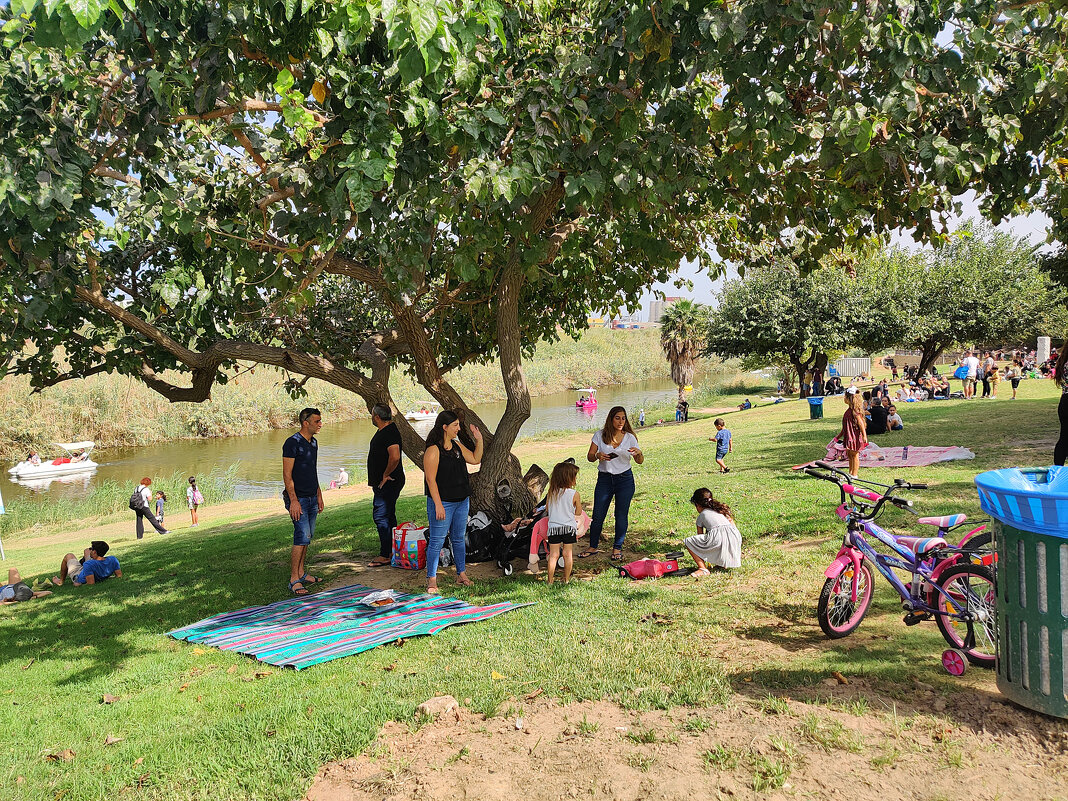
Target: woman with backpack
<point>194,498</point>
<point>140,504</point>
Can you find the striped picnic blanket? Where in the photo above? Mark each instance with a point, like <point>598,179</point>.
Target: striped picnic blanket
<point>306,630</point>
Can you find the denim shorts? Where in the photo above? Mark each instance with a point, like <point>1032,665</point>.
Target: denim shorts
<point>304,529</point>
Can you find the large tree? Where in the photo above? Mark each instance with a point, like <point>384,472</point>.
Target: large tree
<point>346,188</point>
<point>781,314</point>
<point>983,287</point>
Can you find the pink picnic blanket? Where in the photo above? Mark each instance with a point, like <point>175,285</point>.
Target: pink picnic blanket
<point>875,456</point>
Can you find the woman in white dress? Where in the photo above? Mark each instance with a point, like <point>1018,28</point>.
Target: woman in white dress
<point>717,543</point>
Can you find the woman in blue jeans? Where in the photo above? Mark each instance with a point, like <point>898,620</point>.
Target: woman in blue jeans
<point>448,494</point>
<point>613,448</point>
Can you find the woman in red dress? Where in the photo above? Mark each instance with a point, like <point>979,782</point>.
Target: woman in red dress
<point>854,433</point>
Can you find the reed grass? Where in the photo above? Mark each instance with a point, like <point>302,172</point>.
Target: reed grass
<point>108,498</point>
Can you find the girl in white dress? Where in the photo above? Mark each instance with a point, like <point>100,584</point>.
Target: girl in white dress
<point>717,543</point>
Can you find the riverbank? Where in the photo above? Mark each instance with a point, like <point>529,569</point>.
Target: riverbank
<point>722,684</point>
<point>115,411</point>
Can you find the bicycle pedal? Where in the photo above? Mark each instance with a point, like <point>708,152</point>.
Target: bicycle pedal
<point>912,618</point>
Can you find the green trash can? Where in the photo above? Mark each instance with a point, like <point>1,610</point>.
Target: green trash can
<point>1029,508</point>
<point>815,408</point>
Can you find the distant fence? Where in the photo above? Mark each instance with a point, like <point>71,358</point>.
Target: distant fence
<point>853,367</point>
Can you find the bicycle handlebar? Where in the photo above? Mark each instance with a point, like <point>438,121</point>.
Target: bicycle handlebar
<point>847,485</point>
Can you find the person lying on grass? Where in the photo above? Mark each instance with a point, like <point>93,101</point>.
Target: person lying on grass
<point>717,543</point>
<point>16,590</point>
<point>94,566</point>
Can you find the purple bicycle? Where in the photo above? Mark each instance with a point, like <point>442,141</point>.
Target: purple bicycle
<point>954,584</point>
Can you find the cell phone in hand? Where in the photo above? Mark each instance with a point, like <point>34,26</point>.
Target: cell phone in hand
<point>612,455</point>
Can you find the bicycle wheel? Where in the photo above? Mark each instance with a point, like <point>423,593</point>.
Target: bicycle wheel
<point>837,613</point>
<point>968,607</point>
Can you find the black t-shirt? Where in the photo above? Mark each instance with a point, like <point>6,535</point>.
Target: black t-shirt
<point>305,456</point>
<point>378,455</point>
<point>454,483</point>
<point>878,413</point>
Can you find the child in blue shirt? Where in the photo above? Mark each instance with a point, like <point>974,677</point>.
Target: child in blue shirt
<point>724,443</point>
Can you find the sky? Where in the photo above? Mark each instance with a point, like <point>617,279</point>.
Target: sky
<point>1031,227</point>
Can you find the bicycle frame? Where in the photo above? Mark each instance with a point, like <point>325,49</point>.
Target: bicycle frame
<point>924,570</point>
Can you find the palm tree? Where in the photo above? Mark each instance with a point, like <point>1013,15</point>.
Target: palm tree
<point>683,326</point>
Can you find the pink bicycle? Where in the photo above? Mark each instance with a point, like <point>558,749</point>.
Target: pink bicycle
<point>954,584</point>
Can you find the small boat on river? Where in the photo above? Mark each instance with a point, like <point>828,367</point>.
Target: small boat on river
<point>428,410</point>
<point>76,461</point>
<point>588,398</point>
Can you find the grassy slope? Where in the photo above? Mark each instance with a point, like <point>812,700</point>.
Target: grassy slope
<point>114,411</point>
<point>197,724</point>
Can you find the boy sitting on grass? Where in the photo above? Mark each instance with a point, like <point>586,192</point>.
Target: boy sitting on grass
<point>894,420</point>
<point>94,566</point>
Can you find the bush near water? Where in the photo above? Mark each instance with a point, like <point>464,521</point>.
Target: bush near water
<point>118,411</point>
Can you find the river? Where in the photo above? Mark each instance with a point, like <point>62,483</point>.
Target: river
<point>340,444</point>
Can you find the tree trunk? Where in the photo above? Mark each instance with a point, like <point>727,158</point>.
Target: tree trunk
<point>820,365</point>
<point>928,354</point>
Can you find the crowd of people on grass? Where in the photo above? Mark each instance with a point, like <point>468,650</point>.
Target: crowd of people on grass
<point>450,451</point>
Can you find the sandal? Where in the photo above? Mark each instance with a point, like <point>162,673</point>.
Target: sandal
<point>433,591</point>
<point>379,564</point>
<point>617,555</point>
<point>701,572</point>
<point>306,579</point>
<point>588,553</point>
<point>293,587</point>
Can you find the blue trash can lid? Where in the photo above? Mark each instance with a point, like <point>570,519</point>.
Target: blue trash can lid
<point>1032,499</point>
<point>817,401</point>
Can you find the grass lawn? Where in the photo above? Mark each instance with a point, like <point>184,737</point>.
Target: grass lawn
<point>195,722</point>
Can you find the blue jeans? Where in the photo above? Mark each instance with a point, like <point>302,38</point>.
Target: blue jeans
<point>455,526</point>
<point>622,488</point>
<point>304,529</point>
<point>384,513</point>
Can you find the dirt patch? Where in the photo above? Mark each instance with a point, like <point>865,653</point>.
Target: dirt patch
<point>770,748</point>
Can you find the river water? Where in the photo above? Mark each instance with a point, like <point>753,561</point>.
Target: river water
<point>340,444</point>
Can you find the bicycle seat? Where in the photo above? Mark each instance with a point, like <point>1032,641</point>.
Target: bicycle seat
<point>946,521</point>
<point>921,545</point>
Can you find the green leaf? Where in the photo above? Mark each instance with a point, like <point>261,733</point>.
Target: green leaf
<point>359,194</point>
<point>86,12</point>
<point>283,82</point>
<point>412,66</point>
<point>424,22</point>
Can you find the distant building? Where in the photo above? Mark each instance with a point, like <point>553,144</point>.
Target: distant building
<point>657,307</point>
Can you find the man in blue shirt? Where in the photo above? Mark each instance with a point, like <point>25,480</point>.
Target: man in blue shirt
<point>94,566</point>
<point>302,496</point>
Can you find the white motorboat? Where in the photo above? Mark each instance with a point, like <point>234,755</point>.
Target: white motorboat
<point>61,466</point>
<point>428,410</point>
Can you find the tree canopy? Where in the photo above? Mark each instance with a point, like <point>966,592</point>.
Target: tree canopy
<point>781,314</point>
<point>985,287</point>
<point>346,188</point>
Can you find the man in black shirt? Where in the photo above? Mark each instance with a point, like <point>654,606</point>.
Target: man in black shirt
<point>879,412</point>
<point>385,475</point>
<point>302,495</point>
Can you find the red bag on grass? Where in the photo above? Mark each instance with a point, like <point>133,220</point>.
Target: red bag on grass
<point>409,547</point>
<point>651,568</point>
